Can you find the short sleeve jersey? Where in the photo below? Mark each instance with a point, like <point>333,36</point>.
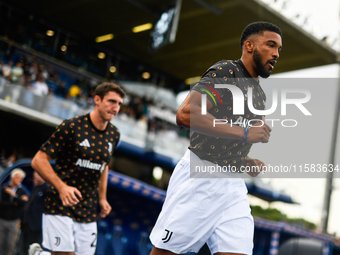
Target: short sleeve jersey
<point>221,151</point>
<point>81,152</point>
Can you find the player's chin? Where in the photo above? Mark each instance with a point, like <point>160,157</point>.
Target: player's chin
<point>266,75</point>
<point>110,116</point>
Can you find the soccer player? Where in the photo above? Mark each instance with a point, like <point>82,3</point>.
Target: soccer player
<point>82,147</point>
<point>216,210</point>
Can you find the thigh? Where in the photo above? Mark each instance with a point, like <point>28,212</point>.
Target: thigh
<point>8,231</point>
<point>190,215</point>
<point>12,232</point>
<point>58,233</point>
<point>2,235</point>
<point>235,231</point>
<point>85,238</point>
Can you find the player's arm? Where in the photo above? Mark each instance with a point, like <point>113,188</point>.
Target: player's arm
<point>255,166</point>
<point>104,204</point>
<point>189,116</point>
<point>68,195</point>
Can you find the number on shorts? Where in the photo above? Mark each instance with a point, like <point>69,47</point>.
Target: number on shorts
<point>93,244</point>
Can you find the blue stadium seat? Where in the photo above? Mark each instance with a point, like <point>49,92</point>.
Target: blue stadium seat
<point>144,245</point>
<point>103,238</point>
<point>119,243</point>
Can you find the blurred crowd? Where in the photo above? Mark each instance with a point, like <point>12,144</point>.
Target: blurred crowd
<point>42,80</point>
<point>41,77</point>
<point>8,159</point>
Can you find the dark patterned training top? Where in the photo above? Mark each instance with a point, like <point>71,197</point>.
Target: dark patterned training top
<point>221,151</point>
<point>81,152</point>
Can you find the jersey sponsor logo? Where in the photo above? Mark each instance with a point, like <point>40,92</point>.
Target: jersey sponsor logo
<point>85,143</point>
<point>167,236</point>
<point>90,165</point>
<point>57,241</point>
<point>110,147</point>
<point>238,100</point>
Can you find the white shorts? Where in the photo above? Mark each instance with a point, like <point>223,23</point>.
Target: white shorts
<point>196,211</point>
<point>62,234</point>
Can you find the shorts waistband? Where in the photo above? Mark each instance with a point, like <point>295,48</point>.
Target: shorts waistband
<point>188,154</point>
<point>219,171</point>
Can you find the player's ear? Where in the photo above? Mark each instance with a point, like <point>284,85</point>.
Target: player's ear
<point>97,99</point>
<point>248,46</point>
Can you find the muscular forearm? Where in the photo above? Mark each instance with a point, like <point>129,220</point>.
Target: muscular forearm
<point>103,184</point>
<point>189,116</point>
<point>41,164</point>
<point>192,118</point>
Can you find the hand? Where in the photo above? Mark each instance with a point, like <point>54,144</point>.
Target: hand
<point>253,172</point>
<point>9,191</point>
<point>24,197</point>
<point>69,195</point>
<point>258,133</point>
<point>105,208</point>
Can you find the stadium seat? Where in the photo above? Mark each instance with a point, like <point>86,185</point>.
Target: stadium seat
<point>119,243</point>
<point>301,246</point>
<point>144,245</point>
<point>103,238</point>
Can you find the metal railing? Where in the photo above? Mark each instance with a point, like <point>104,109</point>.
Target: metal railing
<point>166,142</point>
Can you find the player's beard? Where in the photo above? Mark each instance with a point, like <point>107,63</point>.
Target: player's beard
<point>105,116</point>
<point>260,68</point>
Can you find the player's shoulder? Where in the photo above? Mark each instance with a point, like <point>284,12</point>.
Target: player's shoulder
<point>79,119</point>
<point>222,69</point>
<point>74,121</point>
<point>225,64</point>
<point>113,127</point>
<point>219,65</point>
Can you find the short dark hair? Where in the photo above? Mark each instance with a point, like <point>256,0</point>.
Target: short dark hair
<point>104,88</point>
<point>258,28</point>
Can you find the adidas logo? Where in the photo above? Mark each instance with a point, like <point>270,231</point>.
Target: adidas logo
<point>85,143</point>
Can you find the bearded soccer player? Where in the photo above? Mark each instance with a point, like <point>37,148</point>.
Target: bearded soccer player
<point>82,148</point>
<point>216,210</point>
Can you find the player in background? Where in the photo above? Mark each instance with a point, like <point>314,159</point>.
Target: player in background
<point>82,147</point>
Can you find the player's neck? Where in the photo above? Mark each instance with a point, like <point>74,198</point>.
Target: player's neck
<point>97,121</point>
<point>250,67</point>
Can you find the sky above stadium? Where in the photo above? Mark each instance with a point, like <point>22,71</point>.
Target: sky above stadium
<point>319,18</point>
<point>310,141</point>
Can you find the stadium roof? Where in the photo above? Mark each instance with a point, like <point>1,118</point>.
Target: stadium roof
<point>208,31</point>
